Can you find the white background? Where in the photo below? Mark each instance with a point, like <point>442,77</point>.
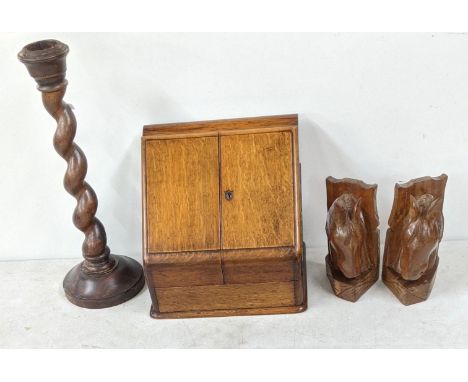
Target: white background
<point>258,15</point>
<point>378,107</point>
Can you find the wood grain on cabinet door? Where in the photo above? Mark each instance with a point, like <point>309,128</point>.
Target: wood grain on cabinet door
<point>257,168</point>
<point>182,194</point>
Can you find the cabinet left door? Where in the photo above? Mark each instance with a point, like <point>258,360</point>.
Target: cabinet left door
<point>182,194</point>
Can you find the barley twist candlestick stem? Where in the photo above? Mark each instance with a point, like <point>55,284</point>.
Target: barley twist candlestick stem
<point>102,279</point>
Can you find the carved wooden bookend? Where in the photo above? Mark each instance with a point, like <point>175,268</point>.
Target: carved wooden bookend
<point>222,218</point>
<point>102,279</point>
<point>353,237</point>
<point>416,226</point>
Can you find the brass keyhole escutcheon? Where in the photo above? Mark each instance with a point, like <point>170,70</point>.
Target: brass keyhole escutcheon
<point>228,194</point>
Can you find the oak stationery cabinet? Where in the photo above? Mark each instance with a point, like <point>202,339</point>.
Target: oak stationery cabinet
<point>222,226</point>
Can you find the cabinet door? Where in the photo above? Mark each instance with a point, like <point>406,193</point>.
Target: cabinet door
<point>257,190</point>
<point>182,194</point>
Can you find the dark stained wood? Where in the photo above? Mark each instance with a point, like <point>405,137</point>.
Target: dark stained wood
<point>182,203</point>
<point>416,226</point>
<point>102,279</point>
<point>257,169</point>
<point>352,263</point>
<point>350,289</point>
<point>410,292</point>
<point>258,265</point>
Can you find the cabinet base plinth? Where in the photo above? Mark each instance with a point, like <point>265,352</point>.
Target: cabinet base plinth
<point>106,290</point>
<point>234,299</point>
<point>230,312</point>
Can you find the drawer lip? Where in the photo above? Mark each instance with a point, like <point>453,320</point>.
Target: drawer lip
<point>181,258</point>
<point>226,255</point>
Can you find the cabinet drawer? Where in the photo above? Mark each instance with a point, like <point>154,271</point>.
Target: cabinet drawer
<point>215,297</point>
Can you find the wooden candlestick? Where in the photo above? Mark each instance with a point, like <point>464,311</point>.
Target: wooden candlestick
<point>102,279</point>
<point>352,229</point>
<point>416,226</point>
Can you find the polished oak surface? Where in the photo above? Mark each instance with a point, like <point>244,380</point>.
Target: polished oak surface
<point>258,170</point>
<point>182,194</point>
<point>232,245</point>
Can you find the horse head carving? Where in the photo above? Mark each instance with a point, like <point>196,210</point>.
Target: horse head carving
<point>347,236</point>
<point>422,230</point>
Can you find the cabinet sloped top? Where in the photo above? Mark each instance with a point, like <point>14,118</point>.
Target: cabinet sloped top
<point>288,121</point>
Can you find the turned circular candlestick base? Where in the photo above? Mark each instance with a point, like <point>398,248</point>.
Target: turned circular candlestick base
<point>95,291</point>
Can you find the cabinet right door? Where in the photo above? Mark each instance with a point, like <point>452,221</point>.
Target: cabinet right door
<point>257,190</point>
